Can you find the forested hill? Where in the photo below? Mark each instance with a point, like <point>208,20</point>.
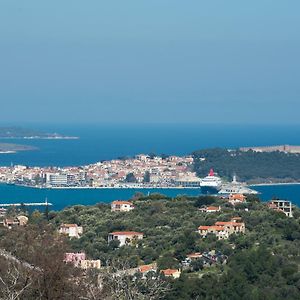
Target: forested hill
<point>250,166</point>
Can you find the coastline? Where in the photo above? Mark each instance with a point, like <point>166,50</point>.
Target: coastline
<point>137,187</point>
<point>40,138</point>
<point>273,184</point>
<point>8,152</point>
<point>102,187</point>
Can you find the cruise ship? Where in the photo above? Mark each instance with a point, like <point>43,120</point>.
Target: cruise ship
<point>211,184</point>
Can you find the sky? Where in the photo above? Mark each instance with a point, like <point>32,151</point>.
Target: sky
<point>158,61</point>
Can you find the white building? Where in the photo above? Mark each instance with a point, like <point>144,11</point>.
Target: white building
<point>282,205</point>
<point>125,237</point>
<point>72,230</point>
<point>90,264</point>
<point>121,206</point>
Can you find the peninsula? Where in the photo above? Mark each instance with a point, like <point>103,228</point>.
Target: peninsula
<point>23,133</point>
<point>153,171</point>
<point>7,148</point>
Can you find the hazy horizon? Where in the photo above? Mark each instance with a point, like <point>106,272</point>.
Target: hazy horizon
<point>141,62</point>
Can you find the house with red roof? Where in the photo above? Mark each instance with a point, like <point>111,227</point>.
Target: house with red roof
<point>125,237</point>
<point>121,206</point>
<point>171,273</point>
<point>210,209</point>
<point>145,269</point>
<point>222,230</point>
<point>236,199</point>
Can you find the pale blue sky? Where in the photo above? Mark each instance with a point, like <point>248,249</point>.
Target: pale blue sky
<point>150,61</point>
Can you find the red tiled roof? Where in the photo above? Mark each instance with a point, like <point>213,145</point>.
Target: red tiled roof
<point>194,255</point>
<point>213,208</point>
<point>169,272</point>
<point>240,197</point>
<point>146,268</point>
<point>229,223</point>
<point>120,202</point>
<point>213,227</point>
<point>236,218</point>
<point>133,233</point>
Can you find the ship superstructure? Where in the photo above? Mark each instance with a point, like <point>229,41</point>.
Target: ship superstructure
<point>236,187</point>
<point>211,184</point>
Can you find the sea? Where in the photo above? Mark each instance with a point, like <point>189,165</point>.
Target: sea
<point>99,142</point>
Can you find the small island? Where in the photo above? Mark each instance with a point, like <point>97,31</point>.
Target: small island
<point>23,133</point>
<point>6,148</point>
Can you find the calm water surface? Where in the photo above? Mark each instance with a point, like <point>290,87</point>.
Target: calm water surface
<point>66,197</point>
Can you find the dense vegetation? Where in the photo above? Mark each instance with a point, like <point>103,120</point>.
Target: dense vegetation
<point>249,166</point>
<point>262,264</point>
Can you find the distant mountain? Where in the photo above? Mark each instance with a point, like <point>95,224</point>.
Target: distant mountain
<point>24,133</point>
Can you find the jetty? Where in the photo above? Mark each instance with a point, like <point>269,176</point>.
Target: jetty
<point>26,204</point>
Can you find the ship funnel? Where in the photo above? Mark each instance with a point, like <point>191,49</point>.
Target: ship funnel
<point>211,172</point>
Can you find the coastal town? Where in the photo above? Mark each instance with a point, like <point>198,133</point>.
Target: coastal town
<point>140,171</point>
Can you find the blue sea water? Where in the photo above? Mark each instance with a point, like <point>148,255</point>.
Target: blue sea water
<point>61,198</point>
<point>100,142</point>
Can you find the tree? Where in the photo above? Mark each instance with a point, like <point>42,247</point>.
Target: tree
<point>14,280</point>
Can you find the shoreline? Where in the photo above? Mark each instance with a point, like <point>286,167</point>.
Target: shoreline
<point>273,183</point>
<point>138,187</point>
<point>101,188</point>
<point>8,152</point>
<point>39,138</point>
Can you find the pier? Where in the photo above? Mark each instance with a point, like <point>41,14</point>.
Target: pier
<point>26,204</point>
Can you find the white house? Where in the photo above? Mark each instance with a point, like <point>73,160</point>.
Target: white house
<point>125,237</point>
<point>72,230</point>
<point>121,206</point>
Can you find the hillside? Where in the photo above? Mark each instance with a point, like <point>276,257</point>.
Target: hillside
<point>262,263</point>
<point>249,166</point>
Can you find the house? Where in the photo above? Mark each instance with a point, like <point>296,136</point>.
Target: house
<point>236,199</point>
<point>171,273</point>
<point>23,220</point>
<point>90,264</point>
<point>194,256</point>
<point>74,258</point>
<point>18,221</point>
<point>222,230</point>
<point>191,257</point>
<point>218,231</point>
<point>71,230</point>
<point>210,209</point>
<point>145,269</point>
<point>3,212</point>
<point>121,206</point>
<point>125,237</point>
<point>281,206</point>
<point>236,219</point>
<point>9,223</point>
<point>79,260</point>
